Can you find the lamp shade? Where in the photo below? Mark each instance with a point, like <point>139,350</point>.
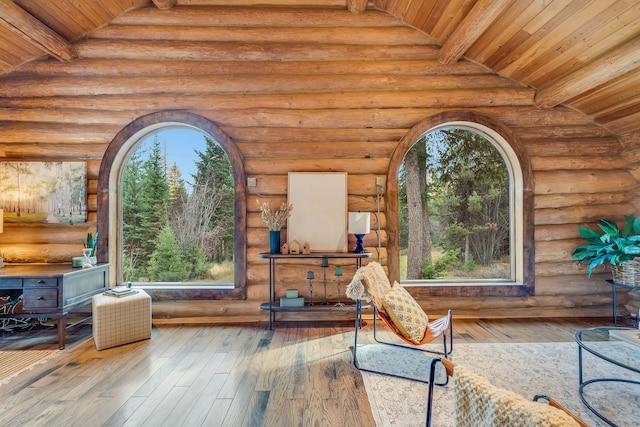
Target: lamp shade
<point>359,222</point>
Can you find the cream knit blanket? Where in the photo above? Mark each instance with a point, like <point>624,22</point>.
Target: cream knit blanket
<point>369,283</point>
<point>477,403</point>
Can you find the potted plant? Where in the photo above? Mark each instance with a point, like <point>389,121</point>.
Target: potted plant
<point>90,247</point>
<point>275,220</point>
<point>610,245</point>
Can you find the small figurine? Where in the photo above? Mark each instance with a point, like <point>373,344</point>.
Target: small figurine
<point>294,248</point>
<point>306,250</point>
<point>284,249</point>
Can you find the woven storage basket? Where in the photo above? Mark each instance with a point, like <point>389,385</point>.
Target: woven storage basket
<point>628,273</point>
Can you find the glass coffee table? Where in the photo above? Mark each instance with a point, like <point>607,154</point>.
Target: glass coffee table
<point>602,343</point>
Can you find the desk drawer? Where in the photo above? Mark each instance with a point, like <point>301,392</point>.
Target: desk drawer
<point>35,298</point>
<point>41,281</point>
<point>10,283</point>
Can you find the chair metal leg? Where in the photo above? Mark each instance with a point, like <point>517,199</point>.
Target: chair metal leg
<point>356,363</point>
<point>432,372</point>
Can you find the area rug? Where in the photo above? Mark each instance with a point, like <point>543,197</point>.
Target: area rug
<point>13,362</point>
<point>526,369</point>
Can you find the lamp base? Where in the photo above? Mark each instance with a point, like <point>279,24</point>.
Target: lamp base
<point>359,248</point>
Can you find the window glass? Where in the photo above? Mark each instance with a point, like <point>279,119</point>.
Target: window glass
<point>178,211</point>
<point>455,209</point>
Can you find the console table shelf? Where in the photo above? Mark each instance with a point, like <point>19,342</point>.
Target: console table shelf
<point>318,307</point>
<point>273,305</point>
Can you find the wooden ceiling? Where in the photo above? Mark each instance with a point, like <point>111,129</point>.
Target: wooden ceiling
<point>579,53</point>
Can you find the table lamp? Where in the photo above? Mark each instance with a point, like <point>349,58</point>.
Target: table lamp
<point>359,225</point>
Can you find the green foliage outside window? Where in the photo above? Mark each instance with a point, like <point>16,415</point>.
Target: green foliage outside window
<point>172,233</point>
<point>463,206</point>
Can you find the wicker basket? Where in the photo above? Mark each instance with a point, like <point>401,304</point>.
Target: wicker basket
<point>627,273</point>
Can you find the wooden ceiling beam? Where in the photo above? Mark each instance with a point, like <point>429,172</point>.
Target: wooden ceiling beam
<point>480,17</point>
<point>21,23</point>
<point>164,4</point>
<point>613,64</point>
<point>357,6</point>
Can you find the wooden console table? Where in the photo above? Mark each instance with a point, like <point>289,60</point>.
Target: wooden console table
<point>273,309</point>
<point>53,290</point>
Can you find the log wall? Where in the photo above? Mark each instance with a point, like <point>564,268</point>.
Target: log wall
<point>309,89</point>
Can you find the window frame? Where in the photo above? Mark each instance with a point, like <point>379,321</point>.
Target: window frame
<point>521,205</point>
<point>109,201</point>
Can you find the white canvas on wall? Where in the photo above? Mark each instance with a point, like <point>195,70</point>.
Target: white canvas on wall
<point>319,215</point>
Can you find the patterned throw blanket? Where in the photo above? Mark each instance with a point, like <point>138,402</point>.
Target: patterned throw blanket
<point>477,403</point>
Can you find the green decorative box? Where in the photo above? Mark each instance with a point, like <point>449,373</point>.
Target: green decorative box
<point>292,293</point>
<point>77,261</point>
<point>291,302</point>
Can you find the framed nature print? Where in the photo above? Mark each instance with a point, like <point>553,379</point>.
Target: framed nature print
<point>319,215</point>
<point>43,192</point>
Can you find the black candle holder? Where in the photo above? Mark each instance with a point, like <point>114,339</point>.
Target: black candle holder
<point>325,264</point>
<point>310,277</point>
<point>339,276</point>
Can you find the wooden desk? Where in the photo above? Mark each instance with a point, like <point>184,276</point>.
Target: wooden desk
<point>53,290</point>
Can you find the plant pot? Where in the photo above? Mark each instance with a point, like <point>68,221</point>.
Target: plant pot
<point>274,242</point>
<point>627,273</point>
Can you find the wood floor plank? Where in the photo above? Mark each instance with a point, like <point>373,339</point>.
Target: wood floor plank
<point>247,371</point>
<point>124,412</point>
<point>218,411</point>
<point>269,366</point>
<point>221,375</point>
<point>207,405</point>
<point>165,407</point>
<point>256,409</point>
<point>195,389</point>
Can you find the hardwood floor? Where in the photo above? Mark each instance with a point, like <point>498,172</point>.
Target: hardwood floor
<point>219,375</point>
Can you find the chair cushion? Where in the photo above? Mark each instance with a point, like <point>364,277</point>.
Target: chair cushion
<point>405,313</point>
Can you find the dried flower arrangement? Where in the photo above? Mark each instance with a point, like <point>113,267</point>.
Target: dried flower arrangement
<point>275,218</point>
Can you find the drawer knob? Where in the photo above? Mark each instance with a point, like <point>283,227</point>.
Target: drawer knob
<point>40,298</point>
<point>40,282</point>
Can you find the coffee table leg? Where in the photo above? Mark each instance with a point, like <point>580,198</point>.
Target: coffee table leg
<point>615,305</point>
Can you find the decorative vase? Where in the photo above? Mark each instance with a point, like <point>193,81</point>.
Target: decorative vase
<point>274,241</point>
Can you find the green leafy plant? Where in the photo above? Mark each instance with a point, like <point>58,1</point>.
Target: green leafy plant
<point>449,261</point>
<point>610,245</point>
<point>91,243</point>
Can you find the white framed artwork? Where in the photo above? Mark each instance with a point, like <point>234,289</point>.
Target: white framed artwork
<point>319,215</point>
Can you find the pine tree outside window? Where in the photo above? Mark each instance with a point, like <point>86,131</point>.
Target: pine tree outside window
<point>454,199</point>
<point>177,229</point>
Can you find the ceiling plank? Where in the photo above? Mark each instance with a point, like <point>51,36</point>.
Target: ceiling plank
<point>357,6</point>
<point>479,19</point>
<point>35,32</point>
<point>614,64</point>
<point>164,4</point>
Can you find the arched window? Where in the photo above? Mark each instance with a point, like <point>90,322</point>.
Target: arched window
<point>480,198</point>
<point>110,192</point>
